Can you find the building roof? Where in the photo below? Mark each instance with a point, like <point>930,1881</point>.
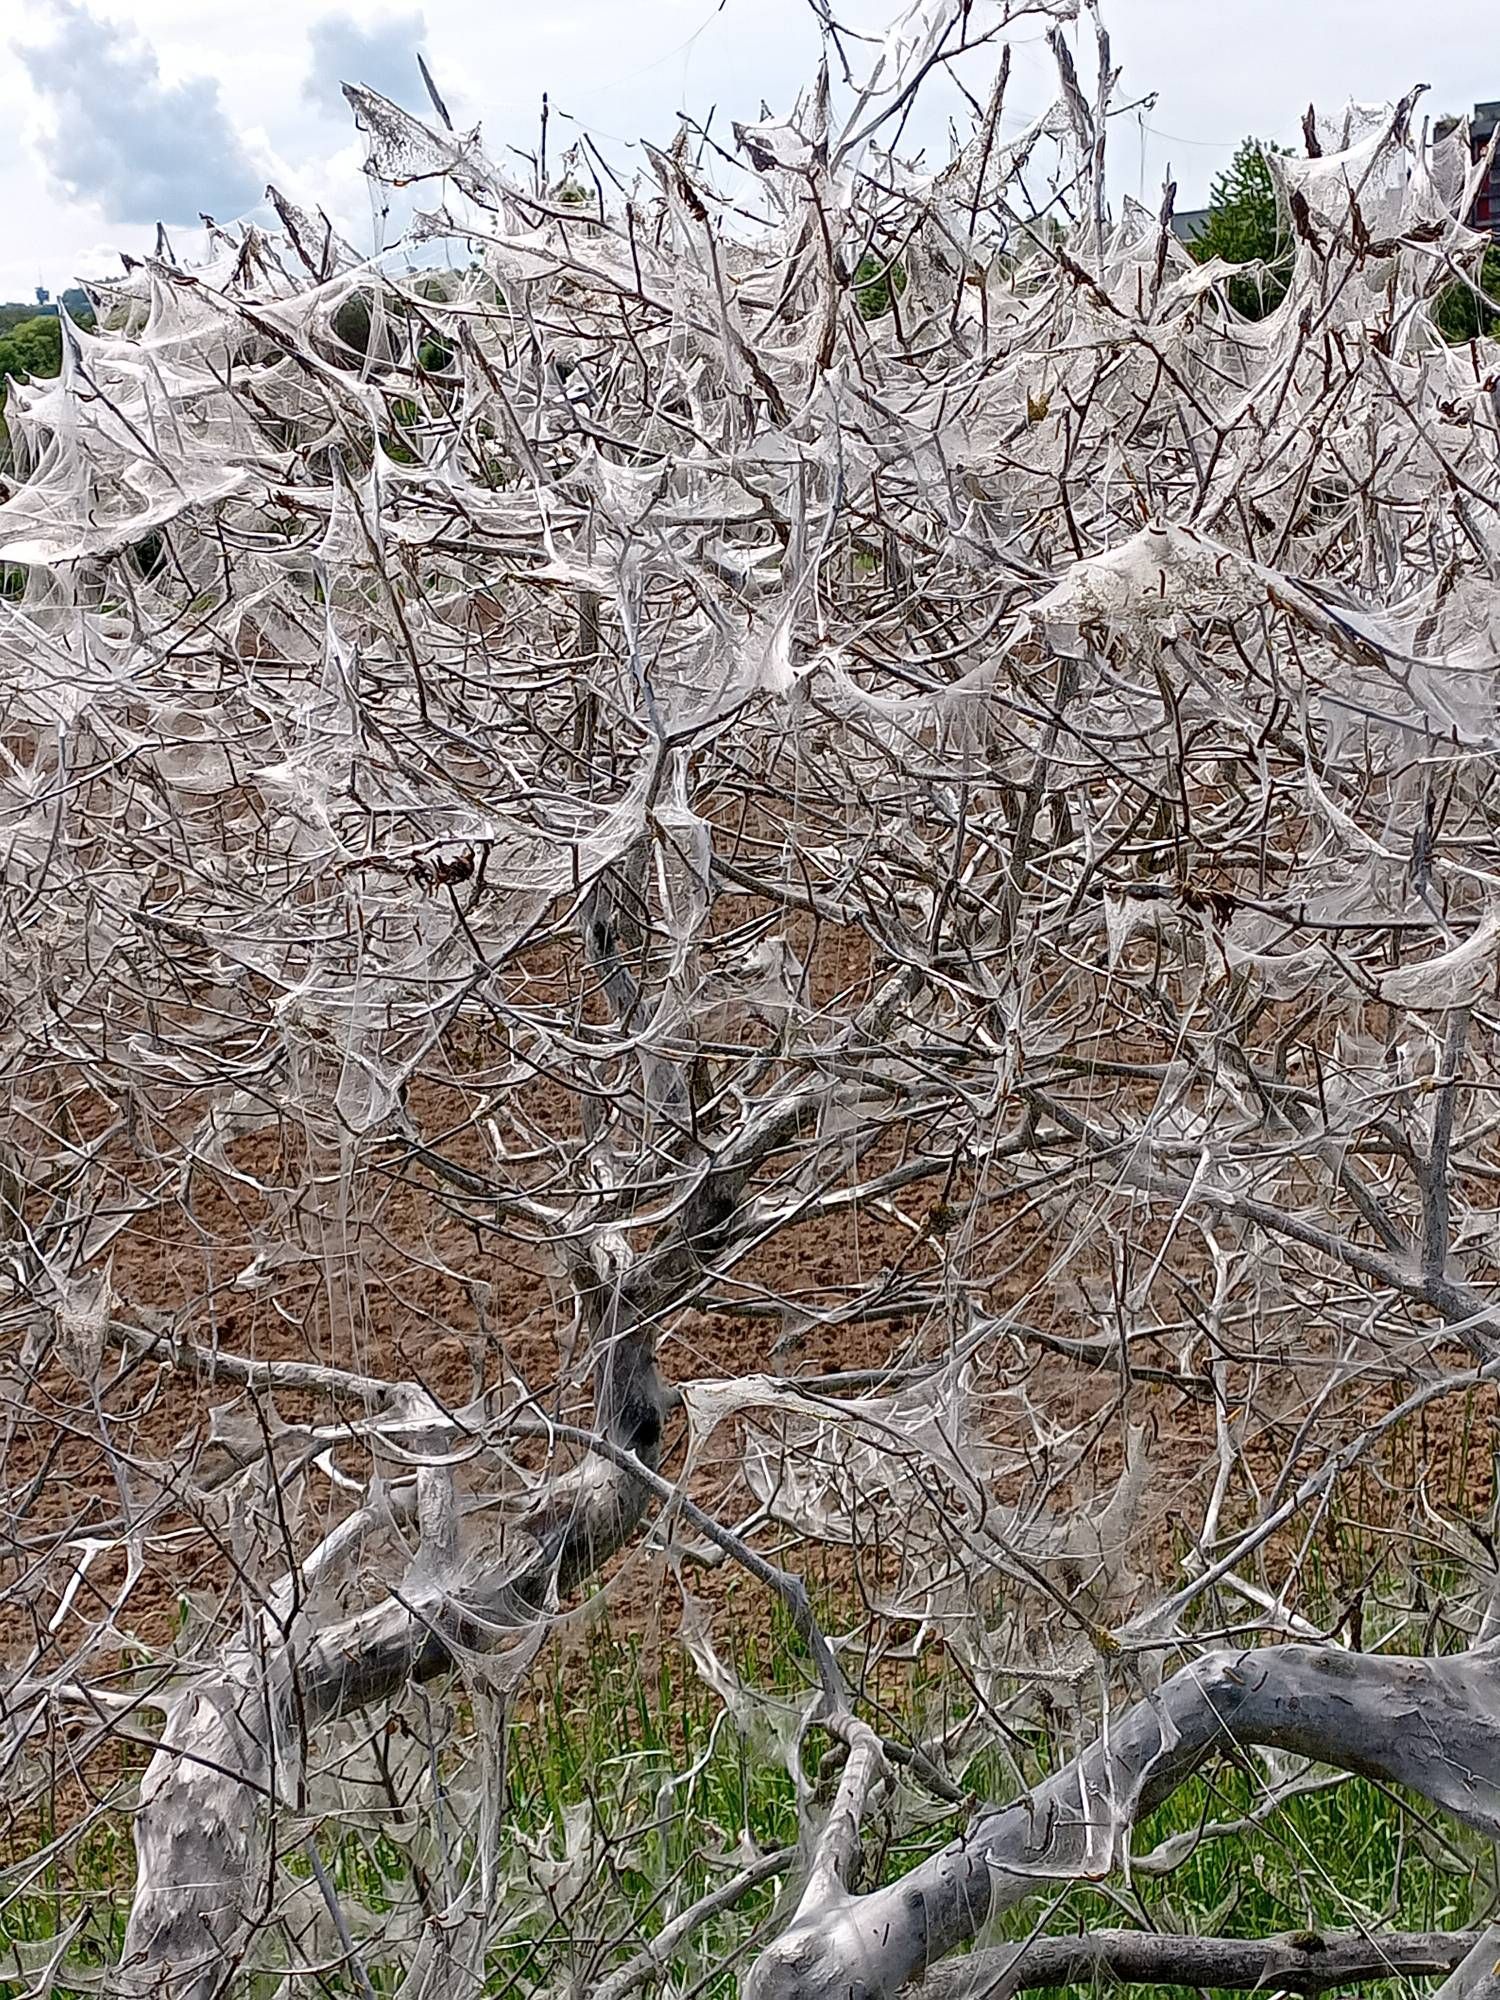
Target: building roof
<point>1190,223</point>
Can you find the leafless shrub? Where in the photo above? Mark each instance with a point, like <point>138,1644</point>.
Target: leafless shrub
<point>613,756</point>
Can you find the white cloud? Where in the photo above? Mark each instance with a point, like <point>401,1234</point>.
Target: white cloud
<point>384,56</point>
<point>171,96</point>
<point>142,149</point>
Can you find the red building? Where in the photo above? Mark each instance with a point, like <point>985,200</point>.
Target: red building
<point>1486,213</point>
<point>1487,201</point>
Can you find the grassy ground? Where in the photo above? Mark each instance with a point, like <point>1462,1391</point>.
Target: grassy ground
<point>615,1838</point>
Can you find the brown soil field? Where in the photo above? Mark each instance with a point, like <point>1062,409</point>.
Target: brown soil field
<point>410,1283</point>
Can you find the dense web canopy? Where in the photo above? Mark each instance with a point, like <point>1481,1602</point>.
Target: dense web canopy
<point>798,858</point>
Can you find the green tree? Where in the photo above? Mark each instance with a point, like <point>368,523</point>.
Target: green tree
<point>30,344</point>
<point>351,324</point>
<point>32,348</point>
<point>877,283</point>
<point>1459,315</point>
<point>13,313</point>
<point>1245,224</point>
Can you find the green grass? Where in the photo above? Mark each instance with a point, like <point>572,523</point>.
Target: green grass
<point>612,1835</point>
<point>1342,1859</point>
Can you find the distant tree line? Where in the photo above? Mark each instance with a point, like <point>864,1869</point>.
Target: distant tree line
<point>76,301</point>
<point>1247,225</point>
<point>30,337</point>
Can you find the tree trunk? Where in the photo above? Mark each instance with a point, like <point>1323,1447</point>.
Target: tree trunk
<point>233,1743</point>
<point>1430,1724</point>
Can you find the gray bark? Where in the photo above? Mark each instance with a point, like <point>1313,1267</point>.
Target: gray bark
<point>1477,1976</point>
<point>1430,1724</point>
<point>232,1742</point>
<point>1299,1962</point>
